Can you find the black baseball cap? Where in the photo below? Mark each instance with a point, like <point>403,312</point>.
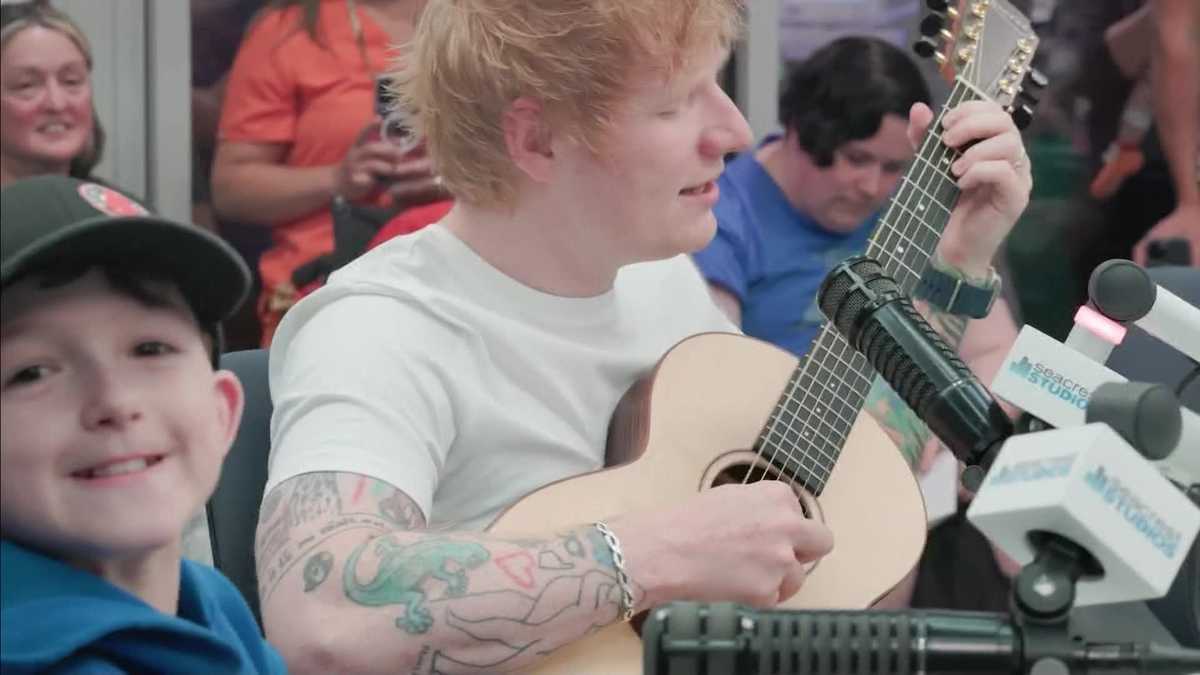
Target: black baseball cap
<point>55,220</point>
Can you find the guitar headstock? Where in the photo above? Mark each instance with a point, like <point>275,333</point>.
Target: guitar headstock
<point>989,45</point>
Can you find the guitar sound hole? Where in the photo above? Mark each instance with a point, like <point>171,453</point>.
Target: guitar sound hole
<point>736,473</point>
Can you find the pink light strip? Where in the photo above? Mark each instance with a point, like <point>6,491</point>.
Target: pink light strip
<point>1100,325</point>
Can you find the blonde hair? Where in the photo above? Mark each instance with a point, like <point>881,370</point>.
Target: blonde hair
<point>18,17</point>
<point>470,59</point>
<point>15,19</point>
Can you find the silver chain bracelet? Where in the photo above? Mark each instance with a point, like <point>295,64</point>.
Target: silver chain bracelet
<point>619,563</point>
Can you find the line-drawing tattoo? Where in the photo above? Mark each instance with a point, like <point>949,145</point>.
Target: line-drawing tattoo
<point>314,496</point>
<point>316,570</point>
<point>401,510</point>
<point>500,639</point>
<point>269,505</point>
<point>551,560</point>
<point>307,497</point>
<point>306,511</point>
<point>573,545</point>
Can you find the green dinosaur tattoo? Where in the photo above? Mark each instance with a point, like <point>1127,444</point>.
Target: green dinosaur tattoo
<point>403,570</point>
<point>903,425</point>
<point>908,431</point>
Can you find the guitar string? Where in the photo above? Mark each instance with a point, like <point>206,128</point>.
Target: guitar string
<point>890,230</point>
<point>820,358</point>
<point>947,184</point>
<point>818,361</point>
<point>796,407</point>
<point>903,252</point>
<point>773,429</point>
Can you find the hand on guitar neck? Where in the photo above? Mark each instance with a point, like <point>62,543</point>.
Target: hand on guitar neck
<point>993,174</point>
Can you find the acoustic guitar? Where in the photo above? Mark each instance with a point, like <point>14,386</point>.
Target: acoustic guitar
<point>722,407</point>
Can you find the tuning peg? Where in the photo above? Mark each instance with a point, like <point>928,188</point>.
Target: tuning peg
<point>926,47</point>
<point>1035,81</point>
<point>942,7</point>
<point>1022,115</point>
<point>1033,86</point>
<point>1030,96</point>
<point>932,25</point>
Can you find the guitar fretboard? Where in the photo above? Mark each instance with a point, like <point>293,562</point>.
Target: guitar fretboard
<point>805,433</point>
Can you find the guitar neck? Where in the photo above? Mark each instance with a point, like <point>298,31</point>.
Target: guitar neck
<point>910,228</point>
<point>805,434</point>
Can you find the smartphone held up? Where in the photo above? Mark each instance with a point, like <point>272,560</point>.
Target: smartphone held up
<point>394,125</point>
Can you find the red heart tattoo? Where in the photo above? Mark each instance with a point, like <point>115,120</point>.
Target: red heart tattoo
<point>518,567</point>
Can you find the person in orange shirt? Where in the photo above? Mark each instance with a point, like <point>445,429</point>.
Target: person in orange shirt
<point>297,132</point>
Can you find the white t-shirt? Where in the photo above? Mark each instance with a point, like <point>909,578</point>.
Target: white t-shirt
<point>421,365</point>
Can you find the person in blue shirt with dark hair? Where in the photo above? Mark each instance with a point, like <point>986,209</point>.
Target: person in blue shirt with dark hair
<point>113,428</point>
<point>804,200</point>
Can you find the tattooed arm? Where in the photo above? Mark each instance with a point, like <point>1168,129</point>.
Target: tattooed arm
<point>993,176</point>
<point>982,344</point>
<point>351,582</point>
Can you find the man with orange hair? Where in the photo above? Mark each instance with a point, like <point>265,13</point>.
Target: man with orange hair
<point>445,374</point>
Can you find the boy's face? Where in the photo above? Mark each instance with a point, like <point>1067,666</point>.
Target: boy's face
<point>113,424</point>
<point>653,184</point>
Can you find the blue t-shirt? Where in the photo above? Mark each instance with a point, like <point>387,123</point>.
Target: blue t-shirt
<point>772,257</point>
<point>64,620</point>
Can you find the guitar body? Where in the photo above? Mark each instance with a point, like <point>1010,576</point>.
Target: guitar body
<point>700,411</point>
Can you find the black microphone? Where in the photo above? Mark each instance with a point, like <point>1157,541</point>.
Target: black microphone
<point>869,310</point>
<point>688,638</point>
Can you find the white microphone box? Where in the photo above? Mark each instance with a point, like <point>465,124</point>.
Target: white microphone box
<point>1054,382</point>
<point>1049,379</point>
<point>1086,484</point>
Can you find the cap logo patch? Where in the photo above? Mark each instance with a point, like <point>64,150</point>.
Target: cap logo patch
<point>110,202</point>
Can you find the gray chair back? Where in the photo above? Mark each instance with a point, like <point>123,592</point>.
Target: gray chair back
<point>233,509</point>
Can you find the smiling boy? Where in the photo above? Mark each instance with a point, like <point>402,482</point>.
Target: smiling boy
<point>113,428</point>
